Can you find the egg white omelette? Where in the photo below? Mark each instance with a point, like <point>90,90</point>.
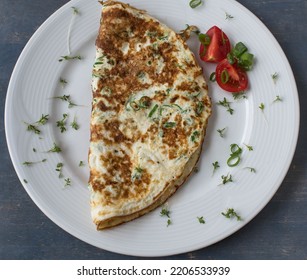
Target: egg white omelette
<point>149,115</point>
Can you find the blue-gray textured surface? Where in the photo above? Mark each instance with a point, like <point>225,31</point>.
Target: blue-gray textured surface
<point>279,231</point>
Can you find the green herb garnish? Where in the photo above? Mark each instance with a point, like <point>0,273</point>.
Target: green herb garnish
<point>169,124</point>
<point>250,148</point>
<point>228,16</point>
<point>153,110</point>
<point>34,127</point>
<point>63,82</point>
<point>239,95</point>
<point>231,214</point>
<point>225,76</point>
<point>195,135</point>
<point>186,33</point>
<point>261,107</point>
<point>55,149</point>
<point>235,155</point>
<point>166,213</point>
<point>168,90</point>
<point>195,3</point>
<point>74,124</point>
<point>59,167</point>
<point>67,57</point>
<point>212,77</point>
<point>67,182</point>
<point>144,102</point>
<point>204,39</point>
<point>75,11</point>
<point>240,55</point>
<point>134,105</point>
<point>30,163</point>
<point>62,123</point>
<point>66,98</point>
<point>31,127</point>
<point>251,169</point>
<point>43,120</point>
<point>176,106</point>
<point>81,163</point>
<point>169,222</point>
<point>225,103</point>
<point>278,98</point>
<point>215,166</point>
<point>201,220</point>
<point>222,131</point>
<point>274,77</point>
<point>138,171</point>
<point>226,179</point>
<point>199,108</point>
<point>141,75</point>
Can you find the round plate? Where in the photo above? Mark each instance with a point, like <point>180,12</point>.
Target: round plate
<point>271,132</point>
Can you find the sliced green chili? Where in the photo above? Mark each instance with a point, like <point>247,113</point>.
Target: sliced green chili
<point>153,110</point>
<point>224,76</point>
<point>195,3</point>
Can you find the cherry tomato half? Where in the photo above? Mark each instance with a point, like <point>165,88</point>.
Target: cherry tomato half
<point>218,48</point>
<point>230,77</point>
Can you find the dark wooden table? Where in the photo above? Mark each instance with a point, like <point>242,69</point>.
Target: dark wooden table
<point>277,232</point>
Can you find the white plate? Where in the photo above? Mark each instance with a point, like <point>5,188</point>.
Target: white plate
<point>272,133</point>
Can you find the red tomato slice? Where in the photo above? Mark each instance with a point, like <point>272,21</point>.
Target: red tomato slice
<point>218,48</point>
<point>230,77</point>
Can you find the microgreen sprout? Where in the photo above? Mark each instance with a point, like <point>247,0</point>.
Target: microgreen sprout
<point>30,163</point>
<point>63,82</point>
<point>74,124</point>
<point>277,98</point>
<point>225,103</point>
<point>228,16</point>
<point>67,182</point>
<point>222,131</point>
<point>226,179</point>
<point>67,99</point>
<point>166,213</point>
<point>215,166</point>
<point>251,169</point>
<point>250,148</point>
<point>62,123</point>
<point>274,77</point>
<point>34,126</point>
<point>201,220</point>
<point>55,149</point>
<point>59,167</point>
<point>231,213</point>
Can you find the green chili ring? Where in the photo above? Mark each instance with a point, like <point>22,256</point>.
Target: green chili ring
<point>233,160</point>
<point>235,149</point>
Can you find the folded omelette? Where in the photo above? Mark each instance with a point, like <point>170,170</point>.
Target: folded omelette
<point>150,110</point>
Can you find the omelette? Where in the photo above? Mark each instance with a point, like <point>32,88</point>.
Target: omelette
<point>150,109</point>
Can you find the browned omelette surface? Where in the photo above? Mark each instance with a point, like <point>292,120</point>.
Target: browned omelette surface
<point>149,114</point>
